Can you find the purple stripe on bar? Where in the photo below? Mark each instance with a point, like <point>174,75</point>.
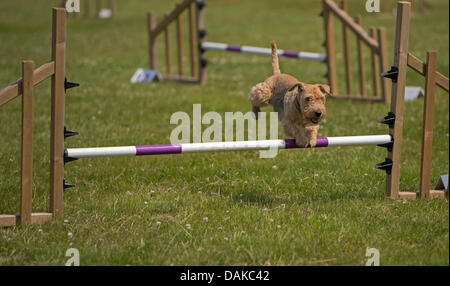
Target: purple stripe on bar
<point>290,143</point>
<point>290,54</point>
<point>158,149</point>
<point>321,142</point>
<point>233,48</point>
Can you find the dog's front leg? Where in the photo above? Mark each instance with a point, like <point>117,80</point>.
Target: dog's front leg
<point>291,129</point>
<point>311,134</point>
<point>301,139</point>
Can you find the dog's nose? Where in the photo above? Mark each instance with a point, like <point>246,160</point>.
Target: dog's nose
<point>318,113</point>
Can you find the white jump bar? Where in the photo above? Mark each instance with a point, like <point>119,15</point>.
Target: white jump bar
<point>221,146</point>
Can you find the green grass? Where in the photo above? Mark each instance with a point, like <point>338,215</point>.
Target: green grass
<point>305,207</point>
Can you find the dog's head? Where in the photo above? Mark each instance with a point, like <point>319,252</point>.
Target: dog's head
<point>310,101</point>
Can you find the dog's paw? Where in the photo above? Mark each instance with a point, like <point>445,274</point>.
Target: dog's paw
<point>312,142</point>
<point>302,142</point>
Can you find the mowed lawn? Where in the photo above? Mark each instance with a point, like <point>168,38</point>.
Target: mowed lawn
<point>303,207</point>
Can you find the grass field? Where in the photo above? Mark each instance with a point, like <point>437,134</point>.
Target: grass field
<point>304,207</point>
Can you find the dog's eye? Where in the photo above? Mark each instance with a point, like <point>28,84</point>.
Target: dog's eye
<point>308,98</point>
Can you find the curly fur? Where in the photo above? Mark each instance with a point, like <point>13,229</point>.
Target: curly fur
<point>275,64</point>
<point>260,95</point>
<point>300,106</point>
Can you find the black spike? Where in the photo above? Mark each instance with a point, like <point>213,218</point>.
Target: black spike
<point>388,145</point>
<point>69,133</point>
<point>68,84</point>
<point>202,33</point>
<point>386,165</point>
<point>203,62</point>
<point>201,5</point>
<point>201,48</point>
<point>392,73</point>
<point>67,185</point>
<point>68,159</point>
<point>389,119</point>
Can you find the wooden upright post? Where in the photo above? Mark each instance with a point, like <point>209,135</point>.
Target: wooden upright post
<point>179,46</point>
<point>383,64</point>
<point>422,5</point>
<point>57,112</point>
<point>329,45</point>
<point>27,143</point>
<point>428,116</point>
<point>99,8</point>
<point>398,94</point>
<point>362,71</point>
<point>386,6</point>
<point>151,24</point>
<point>200,27</point>
<point>86,8</point>
<point>112,6</point>
<point>192,39</point>
<point>168,49</point>
<point>348,71</point>
<point>375,69</point>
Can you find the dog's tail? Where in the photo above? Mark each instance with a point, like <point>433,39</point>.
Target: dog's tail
<point>275,64</point>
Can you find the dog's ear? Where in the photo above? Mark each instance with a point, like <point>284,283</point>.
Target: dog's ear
<point>299,86</point>
<point>325,89</point>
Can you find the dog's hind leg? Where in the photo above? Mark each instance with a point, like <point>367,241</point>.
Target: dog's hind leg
<point>260,95</point>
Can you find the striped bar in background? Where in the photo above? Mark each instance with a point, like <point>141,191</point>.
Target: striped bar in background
<point>263,51</point>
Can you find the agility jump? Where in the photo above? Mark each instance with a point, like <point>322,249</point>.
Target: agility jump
<point>140,150</point>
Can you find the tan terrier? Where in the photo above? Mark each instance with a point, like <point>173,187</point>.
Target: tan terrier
<point>300,106</point>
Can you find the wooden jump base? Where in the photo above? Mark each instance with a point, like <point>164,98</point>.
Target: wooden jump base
<point>24,86</point>
<point>56,70</point>
<point>139,150</point>
<point>263,51</point>
<point>375,41</point>
<point>394,119</point>
<point>197,63</point>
